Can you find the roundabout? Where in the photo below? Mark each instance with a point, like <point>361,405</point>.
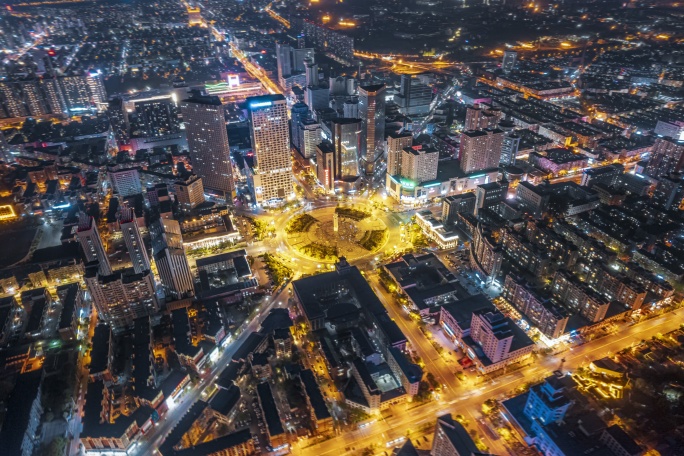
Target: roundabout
<point>327,233</point>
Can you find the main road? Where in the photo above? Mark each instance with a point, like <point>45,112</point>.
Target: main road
<point>466,397</point>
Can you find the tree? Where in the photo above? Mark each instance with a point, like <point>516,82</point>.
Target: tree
<point>558,205</point>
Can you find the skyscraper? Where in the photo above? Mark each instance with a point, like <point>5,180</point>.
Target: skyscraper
<point>396,143</point>
<point>133,240</point>
<point>272,174</point>
<point>667,156</point>
<point>414,97</point>
<point>345,140</point>
<point>509,149</point>
<point>205,126</point>
<point>189,192</point>
<point>311,72</point>
<point>284,60</point>
<point>452,439</point>
<point>169,257</point>
<point>298,112</point>
<point>91,243</point>
<point>325,160</point>
<point>309,133</point>
<point>372,114</point>
<point>509,58</point>
<point>480,150</point>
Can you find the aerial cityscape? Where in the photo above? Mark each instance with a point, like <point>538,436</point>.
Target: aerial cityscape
<point>341,228</point>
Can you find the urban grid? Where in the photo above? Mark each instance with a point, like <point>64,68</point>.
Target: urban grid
<point>342,228</point>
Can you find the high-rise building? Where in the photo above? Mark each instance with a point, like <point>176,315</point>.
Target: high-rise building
<point>372,114</point>
<point>509,58</point>
<point>667,156</point>
<point>91,243</point>
<point>317,97</point>
<point>126,182</point>
<point>298,112</point>
<point>311,70</point>
<point>133,240</point>
<point>310,135</point>
<point>189,192</point>
<point>350,108</point>
<point>10,100</point>
<point>396,143</point>
<point>54,95</point>
<point>98,94</point>
<point>669,192</point>
<point>283,60</point>
<point>452,439</point>
<point>345,138</point>
<point>33,98</point>
<point>419,163</point>
<point>205,126</point>
<point>325,153</point>
<point>154,118</point>
<point>76,93</point>
<point>169,257</point>
<point>480,150</point>
<point>414,97</point>
<point>478,117</point>
<point>509,149</point>
<point>272,175</point>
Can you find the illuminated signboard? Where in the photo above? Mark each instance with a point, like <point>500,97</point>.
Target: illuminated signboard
<point>262,104</point>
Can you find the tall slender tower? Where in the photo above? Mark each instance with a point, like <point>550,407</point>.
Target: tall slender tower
<point>133,239</point>
<point>91,243</point>
<point>272,174</point>
<point>208,142</point>
<point>372,114</point>
<point>169,257</point>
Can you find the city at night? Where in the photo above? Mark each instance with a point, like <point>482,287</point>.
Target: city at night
<point>341,228</point>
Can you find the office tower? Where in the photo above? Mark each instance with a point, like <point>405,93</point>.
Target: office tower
<point>76,93</point>
<point>396,143</point>
<point>205,127</point>
<point>419,163</point>
<point>169,257</point>
<point>509,58</point>
<point>284,60</point>
<point>372,114</point>
<point>54,95</point>
<point>310,135</point>
<point>342,86</point>
<point>480,150</point>
<point>325,158</point>
<point>272,176</point>
<point>10,100</point>
<point>317,97</point>
<point>345,138</point>
<point>667,156</point>
<point>126,182</point>
<point>133,240</point>
<point>452,439</point>
<point>291,61</point>
<point>98,93</point>
<point>298,112</point>
<point>91,243</point>
<point>478,117</point>
<point>311,70</point>
<point>153,118</point>
<point>351,108</point>
<point>414,97</point>
<point>189,192</point>
<point>509,149</point>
